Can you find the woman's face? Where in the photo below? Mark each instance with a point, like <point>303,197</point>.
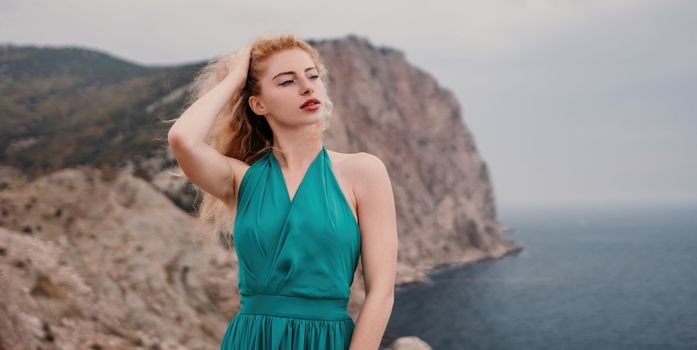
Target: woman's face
<point>288,79</point>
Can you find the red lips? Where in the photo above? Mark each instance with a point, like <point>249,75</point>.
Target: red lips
<point>309,101</point>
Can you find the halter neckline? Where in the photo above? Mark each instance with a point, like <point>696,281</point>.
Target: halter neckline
<point>321,152</point>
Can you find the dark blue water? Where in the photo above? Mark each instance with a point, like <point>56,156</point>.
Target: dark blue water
<point>588,278</point>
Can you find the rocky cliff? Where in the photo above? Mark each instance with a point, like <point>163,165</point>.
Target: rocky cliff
<point>445,198</point>
<point>105,258</point>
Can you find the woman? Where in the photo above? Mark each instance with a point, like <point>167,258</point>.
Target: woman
<point>252,142</point>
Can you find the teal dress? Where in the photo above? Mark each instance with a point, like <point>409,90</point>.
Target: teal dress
<point>297,259</point>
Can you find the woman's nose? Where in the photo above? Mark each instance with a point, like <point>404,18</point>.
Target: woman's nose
<point>306,86</point>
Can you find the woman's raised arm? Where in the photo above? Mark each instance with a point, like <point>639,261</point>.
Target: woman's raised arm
<point>201,163</point>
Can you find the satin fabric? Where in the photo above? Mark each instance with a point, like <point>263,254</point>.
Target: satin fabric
<point>297,258</point>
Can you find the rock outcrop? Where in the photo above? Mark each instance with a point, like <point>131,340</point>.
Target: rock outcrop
<point>89,263</point>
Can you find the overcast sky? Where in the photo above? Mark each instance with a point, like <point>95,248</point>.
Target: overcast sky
<point>568,101</point>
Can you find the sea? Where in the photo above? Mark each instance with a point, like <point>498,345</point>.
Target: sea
<point>594,276</point>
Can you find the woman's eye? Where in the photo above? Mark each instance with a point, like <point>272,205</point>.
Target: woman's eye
<point>314,77</point>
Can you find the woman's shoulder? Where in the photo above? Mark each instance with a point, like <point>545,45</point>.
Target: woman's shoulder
<point>359,161</point>
<point>359,167</point>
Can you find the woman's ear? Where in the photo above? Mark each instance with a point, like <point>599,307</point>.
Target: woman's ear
<point>256,105</point>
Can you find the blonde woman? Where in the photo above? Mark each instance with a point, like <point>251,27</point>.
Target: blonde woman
<point>252,141</point>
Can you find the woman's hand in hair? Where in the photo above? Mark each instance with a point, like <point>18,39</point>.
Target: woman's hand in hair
<point>235,66</point>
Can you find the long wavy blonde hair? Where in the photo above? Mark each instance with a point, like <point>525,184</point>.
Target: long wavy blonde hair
<point>240,133</point>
